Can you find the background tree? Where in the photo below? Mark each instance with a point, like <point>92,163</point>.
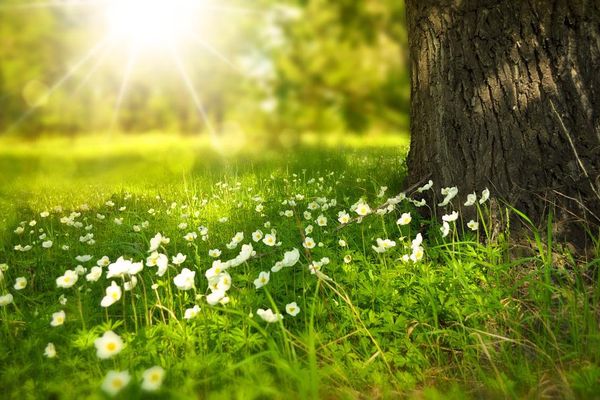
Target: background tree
<point>506,95</point>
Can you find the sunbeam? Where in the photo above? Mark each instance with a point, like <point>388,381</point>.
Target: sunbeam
<point>190,87</point>
<point>208,47</point>
<point>123,89</point>
<point>102,57</point>
<point>80,63</point>
<point>153,30</point>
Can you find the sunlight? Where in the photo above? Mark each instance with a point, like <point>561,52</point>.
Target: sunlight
<point>149,23</point>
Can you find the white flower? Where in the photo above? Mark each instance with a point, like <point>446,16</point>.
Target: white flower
<point>157,241</point>
<point>473,225</point>
<point>245,253</point>
<point>308,243</point>
<point>84,258</point>
<point>445,229</point>
<point>427,186</point>
<point>20,283</point>
<point>347,258</point>
<point>182,225</point>
<point>383,245</point>
<point>58,318</point>
<point>115,381</point>
<point>307,215</point>
<point>216,297</point>
<point>343,217</point>
<point>94,275</point>
<point>262,280</point>
<point>50,350</point>
<point>485,195</point>
<point>128,286</point>
<point>214,253</point>
<point>450,193</point>
<point>123,267</point>
<point>362,209</point>
<point>217,268</point>
<point>237,239</point>
<point>47,244</point>
<point>404,219</point>
<point>190,237</point>
<point>153,378</point>
<point>342,243</point>
<point>321,220</point>
<point>6,299</point>
<point>450,217</point>
<point>417,254</point>
<point>290,258</point>
<point>158,260</point>
<point>270,239</point>
<point>257,235</point>
<point>67,280</point>
<point>191,312</point>
<point>62,300</point>
<point>471,199</point>
<point>108,345</point>
<point>268,315</point>
<point>80,270</point>
<point>185,279</point>
<point>223,282</point>
<point>103,262</point>
<point>292,309</point>
<point>113,294</point>
<point>44,214</point>
<point>178,259</point>
<point>417,241</point>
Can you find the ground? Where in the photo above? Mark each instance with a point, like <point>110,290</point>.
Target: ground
<point>381,315</point>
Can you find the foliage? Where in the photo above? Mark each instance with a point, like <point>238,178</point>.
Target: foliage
<point>277,67</point>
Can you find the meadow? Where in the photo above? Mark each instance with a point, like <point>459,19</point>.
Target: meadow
<point>165,266</point>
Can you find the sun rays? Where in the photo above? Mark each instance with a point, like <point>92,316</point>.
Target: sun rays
<point>132,29</point>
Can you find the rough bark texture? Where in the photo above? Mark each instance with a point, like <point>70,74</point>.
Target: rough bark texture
<point>506,95</point>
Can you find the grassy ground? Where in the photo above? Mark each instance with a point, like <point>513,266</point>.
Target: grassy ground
<point>475,317</point>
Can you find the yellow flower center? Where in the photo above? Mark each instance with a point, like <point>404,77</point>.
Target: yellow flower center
<point>111,346</point>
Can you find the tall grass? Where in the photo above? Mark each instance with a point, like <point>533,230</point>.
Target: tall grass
<point>480,316</point>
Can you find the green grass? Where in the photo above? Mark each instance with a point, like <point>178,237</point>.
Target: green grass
<point>477,317</point>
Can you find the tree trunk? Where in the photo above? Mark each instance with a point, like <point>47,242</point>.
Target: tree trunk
<point>506,95</point>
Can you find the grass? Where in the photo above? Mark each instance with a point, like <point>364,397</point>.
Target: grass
<point>477,317</point>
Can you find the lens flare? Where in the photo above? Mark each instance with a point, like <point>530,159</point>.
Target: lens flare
<point>149,23</point>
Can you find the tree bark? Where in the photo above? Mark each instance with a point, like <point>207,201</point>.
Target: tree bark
<point>506,95</point>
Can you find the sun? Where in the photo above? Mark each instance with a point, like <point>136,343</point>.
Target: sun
<point>149,23</point>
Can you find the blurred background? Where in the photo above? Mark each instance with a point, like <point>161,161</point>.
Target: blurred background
<point>261,68</point>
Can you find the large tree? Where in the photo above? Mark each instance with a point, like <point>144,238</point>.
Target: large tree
<point>506,95</point>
